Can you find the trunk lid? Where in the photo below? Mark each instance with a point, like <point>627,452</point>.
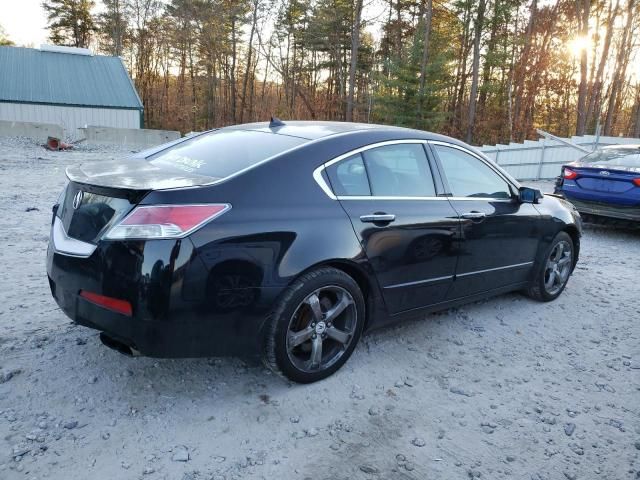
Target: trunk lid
<point>88,211</point>
<point>100,194</point>
<point>135,174</point>
<point>604,180</point>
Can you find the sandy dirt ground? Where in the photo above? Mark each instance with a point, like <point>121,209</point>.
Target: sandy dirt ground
<point>504,388</point>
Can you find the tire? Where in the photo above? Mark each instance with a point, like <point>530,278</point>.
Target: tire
<point>542,287</point>
<point>315,326</point>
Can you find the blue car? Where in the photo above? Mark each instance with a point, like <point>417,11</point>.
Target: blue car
<point>604,185</point>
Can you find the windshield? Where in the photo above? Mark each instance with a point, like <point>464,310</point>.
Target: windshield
<point>627,158</point>
<point>224,152</point>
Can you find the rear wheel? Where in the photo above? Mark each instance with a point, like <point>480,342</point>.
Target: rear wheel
<point>315,326</point>
<point>553,269</point>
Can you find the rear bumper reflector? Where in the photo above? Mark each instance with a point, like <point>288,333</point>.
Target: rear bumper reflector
<point>120,306</point>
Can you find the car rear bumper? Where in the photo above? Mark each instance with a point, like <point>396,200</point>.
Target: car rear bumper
<point>603,209</point>
<point>173,314</point>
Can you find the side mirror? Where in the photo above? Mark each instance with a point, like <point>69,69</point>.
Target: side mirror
<point>530,195</point>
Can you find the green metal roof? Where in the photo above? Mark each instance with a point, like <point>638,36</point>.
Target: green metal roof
<point>28,75</point>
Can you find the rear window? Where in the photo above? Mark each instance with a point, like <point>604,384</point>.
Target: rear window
<point>624,158</point>
<point>400,170</point>
<point>224,152</point>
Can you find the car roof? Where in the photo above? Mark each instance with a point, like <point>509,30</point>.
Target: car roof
<point>313,130</point>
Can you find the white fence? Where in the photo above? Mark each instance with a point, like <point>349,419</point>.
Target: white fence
<point>542,159</point>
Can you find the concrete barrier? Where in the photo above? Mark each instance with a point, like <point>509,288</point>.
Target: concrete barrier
<point>128,136</point>
<point>37,131</point>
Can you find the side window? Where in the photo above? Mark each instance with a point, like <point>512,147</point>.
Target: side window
<point>399,170</point>
<point>470,177</point>
<point>349,177</point>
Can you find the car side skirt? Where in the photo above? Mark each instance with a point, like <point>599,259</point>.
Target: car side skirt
<point>436,307</point>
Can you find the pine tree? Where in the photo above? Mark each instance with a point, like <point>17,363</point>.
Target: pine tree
<point>411,88</point>
<point>113,26</point>
<point>70,22</point>
<point>4,39</point>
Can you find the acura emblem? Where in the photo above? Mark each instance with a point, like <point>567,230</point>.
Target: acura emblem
<point>604,172</point>
<point>77,200</point>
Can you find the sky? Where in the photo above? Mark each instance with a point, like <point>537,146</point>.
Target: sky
<point>24,21</point>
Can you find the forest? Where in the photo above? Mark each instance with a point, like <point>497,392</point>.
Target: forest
<point>484,71</point>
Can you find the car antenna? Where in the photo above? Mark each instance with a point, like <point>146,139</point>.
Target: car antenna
<point>276,122</point>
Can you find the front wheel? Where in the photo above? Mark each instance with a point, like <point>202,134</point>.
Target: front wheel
<point>315,326</point>
<point>553,269</point>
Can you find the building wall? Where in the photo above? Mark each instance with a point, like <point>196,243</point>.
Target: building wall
<point>70,118</point>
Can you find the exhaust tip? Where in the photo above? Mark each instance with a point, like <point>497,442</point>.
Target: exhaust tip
<point>118,346</point>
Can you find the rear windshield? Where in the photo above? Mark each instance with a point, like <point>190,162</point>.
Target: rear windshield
<point>623,158</point>
<point>224,152</point>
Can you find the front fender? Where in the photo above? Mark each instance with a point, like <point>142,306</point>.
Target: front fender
<point>558,215</point>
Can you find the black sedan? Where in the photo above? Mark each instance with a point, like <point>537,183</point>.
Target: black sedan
<point>287,241</point>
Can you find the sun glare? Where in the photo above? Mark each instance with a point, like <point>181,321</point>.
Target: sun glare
<point>578,44</point>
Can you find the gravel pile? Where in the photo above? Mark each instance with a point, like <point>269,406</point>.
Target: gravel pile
<point>505,388</point>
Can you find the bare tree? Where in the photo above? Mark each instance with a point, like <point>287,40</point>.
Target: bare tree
<point>248,71</point>
<point>622,60</point>
<point>585,5</point>
<point>426,15</point>
<point>475,68</point>
<point>355,46</point>
<point>593,108</point>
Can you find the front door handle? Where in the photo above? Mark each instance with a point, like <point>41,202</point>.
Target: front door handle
<point>474,215</point>
<point>378,218</point>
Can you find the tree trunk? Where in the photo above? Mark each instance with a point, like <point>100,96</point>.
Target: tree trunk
<point>593,108</point>
<point>355,45</point>
<point>234,50</point>
<point>582,90</point>
<point>461,72</point>
<point>620,69</point>
<point>475,69</point>
<point>194,99</point>
<point>248,67</point>
<point>520,73</point>
<point>636,127</point>
<point>488,62</point>
<point>427,5</point>
<point>510,88</point>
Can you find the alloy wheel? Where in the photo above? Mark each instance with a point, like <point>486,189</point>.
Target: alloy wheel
<point>321,329</point>
<point>558,267</point>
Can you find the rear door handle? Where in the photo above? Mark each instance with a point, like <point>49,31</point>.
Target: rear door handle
<point>474,215</point>
<point>378,218</point>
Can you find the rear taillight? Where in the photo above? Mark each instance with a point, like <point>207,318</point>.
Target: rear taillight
<point>636,182</point>
<point>569,174</point>
<point>165,221</point>
<point>115,304</point>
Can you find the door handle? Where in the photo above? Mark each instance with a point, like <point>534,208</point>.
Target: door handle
<point>474,215</point>
<point>378,218</point>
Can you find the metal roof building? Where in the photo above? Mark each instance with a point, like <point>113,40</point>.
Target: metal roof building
<point>67,86</point>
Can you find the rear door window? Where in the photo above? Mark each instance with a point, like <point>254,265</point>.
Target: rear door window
<point>399,170</point>
<point>224,152</point>
<point>349,177</point>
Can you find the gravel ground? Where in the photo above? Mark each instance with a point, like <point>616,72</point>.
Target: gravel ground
<point>505,388</point>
